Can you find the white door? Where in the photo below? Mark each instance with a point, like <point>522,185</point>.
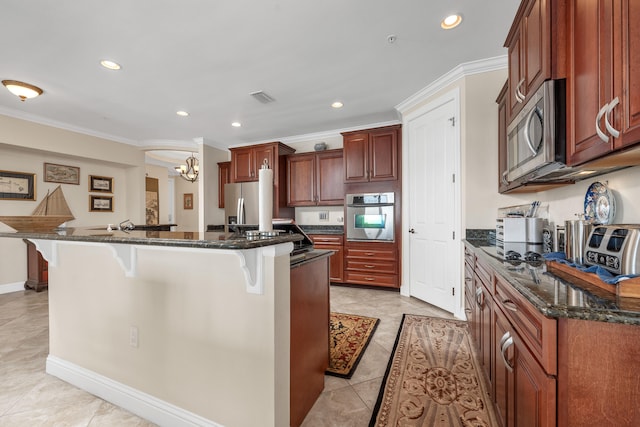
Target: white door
<point>433,207</point>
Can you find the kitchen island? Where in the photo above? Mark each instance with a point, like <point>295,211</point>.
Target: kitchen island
<point>180,328</point>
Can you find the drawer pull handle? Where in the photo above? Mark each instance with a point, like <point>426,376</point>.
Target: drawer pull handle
<point>503,349</point>
<point>369,266</point>
<point>510,305</point>
<point>371,279</point>
<point>480,297</point>
<point>369,254</point>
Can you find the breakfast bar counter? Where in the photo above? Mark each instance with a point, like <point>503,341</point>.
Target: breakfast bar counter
<point>179,328</point>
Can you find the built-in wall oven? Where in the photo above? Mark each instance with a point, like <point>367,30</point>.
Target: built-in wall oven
<point>370,216</point>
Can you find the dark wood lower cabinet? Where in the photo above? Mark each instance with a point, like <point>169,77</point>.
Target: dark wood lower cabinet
<point>598,380</point>
<point>309,335</point>
<point>37,269</point>
<point>336,262</point>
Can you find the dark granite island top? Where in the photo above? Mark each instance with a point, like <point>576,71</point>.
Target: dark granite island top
<point>186,239</point>
<point>559,298</point>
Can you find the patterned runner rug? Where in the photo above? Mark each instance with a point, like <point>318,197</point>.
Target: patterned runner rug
<point>349,336</point>
<point>433,378</point>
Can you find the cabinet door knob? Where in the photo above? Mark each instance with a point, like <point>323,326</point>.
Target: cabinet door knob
<point>412,231</point>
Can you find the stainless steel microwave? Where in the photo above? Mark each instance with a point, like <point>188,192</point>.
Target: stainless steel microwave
<point>536,137</point>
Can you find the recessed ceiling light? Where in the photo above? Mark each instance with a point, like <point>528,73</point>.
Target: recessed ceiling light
<point>182,113</point>
<point>110,64</point>
<point>236,124</point>
<point>337,104</point>
<point>451,21</point>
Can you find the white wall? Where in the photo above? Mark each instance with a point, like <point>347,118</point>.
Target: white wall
<point>162,175</point>
<point>213,215</point>
<point>187,219</point>
<point>26,146</point>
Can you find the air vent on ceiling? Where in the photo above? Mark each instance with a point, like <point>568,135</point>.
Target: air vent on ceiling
<point>262,97</point>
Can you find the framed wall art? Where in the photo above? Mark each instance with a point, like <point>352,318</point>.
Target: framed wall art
<point>61,174</point>
<point>188,201</point>
<point>100,203</point>
<point>17,186</point>
<point>102,184</point>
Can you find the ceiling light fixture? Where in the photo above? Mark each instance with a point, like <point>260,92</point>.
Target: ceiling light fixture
<point>22,90</point>
<point>451,21</point>
<point>337,104</point>
<point>190,171</point>
<point>182,113</point>
<point>110,64</point>
<point>236,124</point>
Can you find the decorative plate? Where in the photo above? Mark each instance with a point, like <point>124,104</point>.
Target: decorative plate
<point>599,204</point>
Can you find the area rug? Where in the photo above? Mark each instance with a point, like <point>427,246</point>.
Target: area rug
<point>349,336</point>
<point>433,378</point>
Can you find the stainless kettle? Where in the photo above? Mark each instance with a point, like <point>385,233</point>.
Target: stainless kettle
<point>576,235</point>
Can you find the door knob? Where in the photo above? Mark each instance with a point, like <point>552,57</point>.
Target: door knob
<point>412,231</point>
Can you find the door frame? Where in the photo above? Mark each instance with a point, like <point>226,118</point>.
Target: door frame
<point>452,95</point>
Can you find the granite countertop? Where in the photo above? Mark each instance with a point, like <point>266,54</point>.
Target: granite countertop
<point>322,229</point>
<point>558,298</point>
<point>207,240</point>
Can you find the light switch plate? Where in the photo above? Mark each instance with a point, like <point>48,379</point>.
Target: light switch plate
<point>323,215</point>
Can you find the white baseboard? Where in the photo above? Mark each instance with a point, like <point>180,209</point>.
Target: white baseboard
<point>135,401</point>
<point>11,287</point>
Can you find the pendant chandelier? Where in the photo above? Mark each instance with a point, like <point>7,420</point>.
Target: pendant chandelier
<point>189,171</point>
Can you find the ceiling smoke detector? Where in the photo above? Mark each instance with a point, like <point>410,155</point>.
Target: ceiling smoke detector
<point>262,97</point>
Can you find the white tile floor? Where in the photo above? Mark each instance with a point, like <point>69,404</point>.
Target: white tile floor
<point>29,397</point>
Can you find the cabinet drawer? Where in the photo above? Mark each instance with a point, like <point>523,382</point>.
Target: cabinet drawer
<point>326,239</point>
<point>387,280</point>
<point>468,280</point>
<point>469,257</point>
<point>538,332</point>
<point>378,254</point>
<point>386,267</point>
<point>486,275</point>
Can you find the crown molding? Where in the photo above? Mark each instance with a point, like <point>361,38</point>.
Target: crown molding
<point>462,70</point>
<point>34,118</point>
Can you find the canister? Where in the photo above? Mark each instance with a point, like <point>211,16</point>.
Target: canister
<point>576,234</point>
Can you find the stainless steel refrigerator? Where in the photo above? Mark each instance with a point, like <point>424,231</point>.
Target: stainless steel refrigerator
<point>241,203</point>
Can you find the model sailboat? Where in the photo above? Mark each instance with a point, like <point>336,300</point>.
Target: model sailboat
<point>50,213</point>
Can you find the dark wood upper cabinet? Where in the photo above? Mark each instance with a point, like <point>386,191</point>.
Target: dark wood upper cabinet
<point>330,187</point>
<point>315,179</point>
<point>371,155</point>
<point>246,161</point>
<point>531,54</point>
<point>224,177</point>
<point>603,99</point>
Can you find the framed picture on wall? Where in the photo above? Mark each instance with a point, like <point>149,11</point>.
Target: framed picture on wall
<point>61,173</point>
<point>102,184</point>
<point>100,203</point>
<point>188,201</point>
<point>17,186</point>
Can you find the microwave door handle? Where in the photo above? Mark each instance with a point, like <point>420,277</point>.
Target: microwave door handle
<point>603,136</point>
<point>613,131</point>
<point>527,126</point>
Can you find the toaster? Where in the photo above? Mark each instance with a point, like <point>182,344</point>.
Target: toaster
<point>615,247</point>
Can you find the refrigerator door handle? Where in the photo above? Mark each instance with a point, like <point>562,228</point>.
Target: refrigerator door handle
<point>240,213</point>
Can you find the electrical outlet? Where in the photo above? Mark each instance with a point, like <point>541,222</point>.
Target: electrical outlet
<point>133,336</point>
<point>323,216</point>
